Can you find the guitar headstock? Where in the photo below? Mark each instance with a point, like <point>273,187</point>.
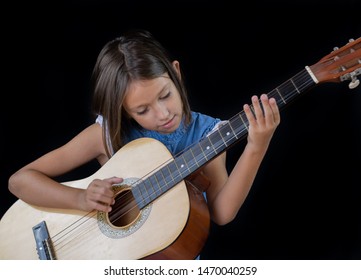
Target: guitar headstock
<point>340,65</point>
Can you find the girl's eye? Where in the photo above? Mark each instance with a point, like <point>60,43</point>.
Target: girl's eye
<point>165,96</point>
<point>142,112</point>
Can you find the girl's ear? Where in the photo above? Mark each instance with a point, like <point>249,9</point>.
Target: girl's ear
<point>176,66</point>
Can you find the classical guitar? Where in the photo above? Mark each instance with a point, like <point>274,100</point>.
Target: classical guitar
<point>160,211</point>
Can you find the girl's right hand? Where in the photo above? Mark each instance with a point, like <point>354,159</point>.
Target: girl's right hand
<point>99,195</point>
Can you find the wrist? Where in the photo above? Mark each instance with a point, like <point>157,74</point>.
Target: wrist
<point>256,149</point>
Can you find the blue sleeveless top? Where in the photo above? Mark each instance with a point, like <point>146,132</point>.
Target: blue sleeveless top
<point>181,138</point>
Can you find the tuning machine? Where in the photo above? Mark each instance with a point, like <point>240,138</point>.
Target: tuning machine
<point>353,77</point>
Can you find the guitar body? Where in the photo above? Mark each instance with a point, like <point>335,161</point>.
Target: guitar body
<point>161,230</point>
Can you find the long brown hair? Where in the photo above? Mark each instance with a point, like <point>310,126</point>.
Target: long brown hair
<point>136,55</point>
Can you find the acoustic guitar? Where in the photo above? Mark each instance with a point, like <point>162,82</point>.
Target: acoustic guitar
<point>160,211</point>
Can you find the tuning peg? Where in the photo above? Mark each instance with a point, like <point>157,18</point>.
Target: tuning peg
<point>354,82</point>
<point>350,41</point>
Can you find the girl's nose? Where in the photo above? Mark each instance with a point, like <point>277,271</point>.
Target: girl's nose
<point>162,111</point>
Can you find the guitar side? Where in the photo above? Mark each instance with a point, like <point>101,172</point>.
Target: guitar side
<point>79,235</point>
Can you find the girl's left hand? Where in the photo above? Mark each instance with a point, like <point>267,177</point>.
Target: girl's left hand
<point>263,121</point>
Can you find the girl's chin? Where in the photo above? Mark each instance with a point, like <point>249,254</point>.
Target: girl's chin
<point>166,131</point>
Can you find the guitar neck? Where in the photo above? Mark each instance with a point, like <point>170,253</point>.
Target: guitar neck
<point>195,156</point>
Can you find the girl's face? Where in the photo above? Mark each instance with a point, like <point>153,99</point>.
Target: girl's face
<point>154,104</point>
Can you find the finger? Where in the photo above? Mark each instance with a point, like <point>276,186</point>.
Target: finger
<point>267,110</point>
<point>249,114</point>
<point>102,201</point>
<point>258,111</point>
<point>102,207</point>
<point>114,180</point>
<point>101,189</point>
<point>275,110</point>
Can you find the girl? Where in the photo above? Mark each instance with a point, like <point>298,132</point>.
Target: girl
<point>139,92</point>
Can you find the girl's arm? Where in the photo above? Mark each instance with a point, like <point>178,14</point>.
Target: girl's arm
<point>226,194</point>
<point>34,184</point>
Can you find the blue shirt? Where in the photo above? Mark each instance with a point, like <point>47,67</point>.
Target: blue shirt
<point>180,139</point>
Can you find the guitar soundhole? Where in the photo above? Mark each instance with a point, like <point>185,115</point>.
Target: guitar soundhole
<point>125,210</point>
<point>125,217</point>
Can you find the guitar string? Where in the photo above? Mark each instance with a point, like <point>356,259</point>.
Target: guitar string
<point>79,228</point>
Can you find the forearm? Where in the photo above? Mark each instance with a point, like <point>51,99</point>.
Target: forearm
<point>35,188</point>
<point>238,185</point>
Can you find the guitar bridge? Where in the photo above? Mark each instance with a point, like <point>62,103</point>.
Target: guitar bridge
<point>44,246</point>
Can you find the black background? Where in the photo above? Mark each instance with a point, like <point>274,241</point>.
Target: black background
<point>306,200</point>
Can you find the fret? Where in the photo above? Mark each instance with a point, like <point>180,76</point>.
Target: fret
<point>200,156</point>
<point>188,160</point>
<point>182,167</point>
<point>154,182</point>
<point>227,134</point>
<point>207,148</point>
<point>193,158</point>
<point>168,174</point>
<point>294,86</point>
<point>280,95</point>
<point>217,142</point>
<point>146,187</point>
<point>229,124</point>
<point>303,80</point>
<point>243,118</point>
<point>138,195</point>
<point>142,191</point>
<point>287,90</point>
<point>143,188</point>
<point>174,171</point>
<point>195,155</point>
<point>161,183</point>
<point>238,125</point>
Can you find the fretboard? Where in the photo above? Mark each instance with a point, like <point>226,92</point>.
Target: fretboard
<point>171,173</point>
